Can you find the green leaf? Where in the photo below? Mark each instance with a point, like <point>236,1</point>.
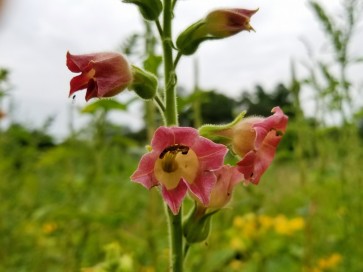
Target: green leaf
<point>105,105</point>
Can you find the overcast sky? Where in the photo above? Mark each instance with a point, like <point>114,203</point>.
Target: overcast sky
<point>36,34</point>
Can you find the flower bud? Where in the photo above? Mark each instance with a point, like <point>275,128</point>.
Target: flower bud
<point>144,83</point>
<point>197,226</point>
<point>223,23</point>
<point>149,9</point>
<point>217,25</point>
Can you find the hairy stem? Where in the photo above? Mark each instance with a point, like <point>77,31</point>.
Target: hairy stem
<point>169,72</point>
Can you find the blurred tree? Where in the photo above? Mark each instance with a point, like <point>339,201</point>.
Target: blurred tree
<point>260,102</point>
<point>214,107</point>
<point>4,88</point>
<point>20,145</point>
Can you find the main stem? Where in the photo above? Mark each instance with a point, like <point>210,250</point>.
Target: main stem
<point>171,119</point>
<point>169,72</point>
<point>176,241</point>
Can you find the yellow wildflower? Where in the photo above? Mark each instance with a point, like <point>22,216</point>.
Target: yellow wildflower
<point>297,223</point>
<point>49,228</point>
<point>330,262</point>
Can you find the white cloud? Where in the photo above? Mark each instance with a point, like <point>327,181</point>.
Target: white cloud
<point>35,35</point>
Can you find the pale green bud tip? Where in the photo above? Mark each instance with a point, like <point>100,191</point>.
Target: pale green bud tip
<point>149,9</point>
<point>144,84</point>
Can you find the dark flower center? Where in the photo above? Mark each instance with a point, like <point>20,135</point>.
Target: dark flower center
<point>168,156</point>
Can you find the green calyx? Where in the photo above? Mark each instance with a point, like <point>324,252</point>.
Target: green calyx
<point>220,133</point>
<point>144,84</point>
<point>189,40</point>
<point>149,9</point>
<point>197,226</point>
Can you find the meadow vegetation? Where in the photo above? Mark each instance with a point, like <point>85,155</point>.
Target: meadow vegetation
<point>70,205</point>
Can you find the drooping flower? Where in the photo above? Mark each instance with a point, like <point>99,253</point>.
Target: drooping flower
<point>102,74</point>
<point>255,140</point>
<point>179,160</point>
<point>223,23</point>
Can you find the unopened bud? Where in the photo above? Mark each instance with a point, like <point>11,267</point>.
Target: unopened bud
<point>145,84</point>
<point>149,9</point>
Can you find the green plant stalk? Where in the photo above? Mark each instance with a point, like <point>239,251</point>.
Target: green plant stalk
<point>176,241</point>
<point>169,72</point>
<point>171,118</point>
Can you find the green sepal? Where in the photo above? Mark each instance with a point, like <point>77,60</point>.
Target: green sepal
<point>216,132</point>
<point>144,84</point>
<point>189,40</point>
<point>197,225</point>
<point>149,9</point>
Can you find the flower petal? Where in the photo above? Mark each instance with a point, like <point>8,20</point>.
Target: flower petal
<point>77,63</point>
<point>202,186</point>
<point>174,198</point>
<point>255,163</point>
<point>144,173</point>
<point>168,136</point>
<point>277,121</point>
<point>78,83</point>
<point>92,90</point>
<point>210,154</point>
<point>112,74</point>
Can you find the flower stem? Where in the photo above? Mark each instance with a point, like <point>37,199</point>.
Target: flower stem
<point>171,119</point>
<point>169,71</point>
<point>176,61</point>
<point>176,241</point>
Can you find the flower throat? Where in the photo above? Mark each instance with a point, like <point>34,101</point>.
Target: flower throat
<point>168,156</point>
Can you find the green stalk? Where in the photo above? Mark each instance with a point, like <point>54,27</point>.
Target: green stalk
<point>169,72</point>
<point>176,241</point>
<point>171,119</point>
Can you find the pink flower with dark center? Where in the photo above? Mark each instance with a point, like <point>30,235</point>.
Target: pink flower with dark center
<point>102,74</point>
<point>179,160</point>
<point>256,140</point>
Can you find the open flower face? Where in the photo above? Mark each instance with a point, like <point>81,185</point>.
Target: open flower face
<point>256,140</point>
<point>180,159</point>
<point>102,74</point>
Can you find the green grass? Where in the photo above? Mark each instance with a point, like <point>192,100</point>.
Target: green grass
<point>73,206</point>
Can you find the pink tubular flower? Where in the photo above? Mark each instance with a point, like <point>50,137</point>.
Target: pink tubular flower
<point>256,139</point>
<point>227,178</point>
<point>227,22</point>
<point>180,159</point>
<point>102,74</point>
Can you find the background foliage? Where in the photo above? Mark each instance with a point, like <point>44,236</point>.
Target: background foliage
<point>67,206</point>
